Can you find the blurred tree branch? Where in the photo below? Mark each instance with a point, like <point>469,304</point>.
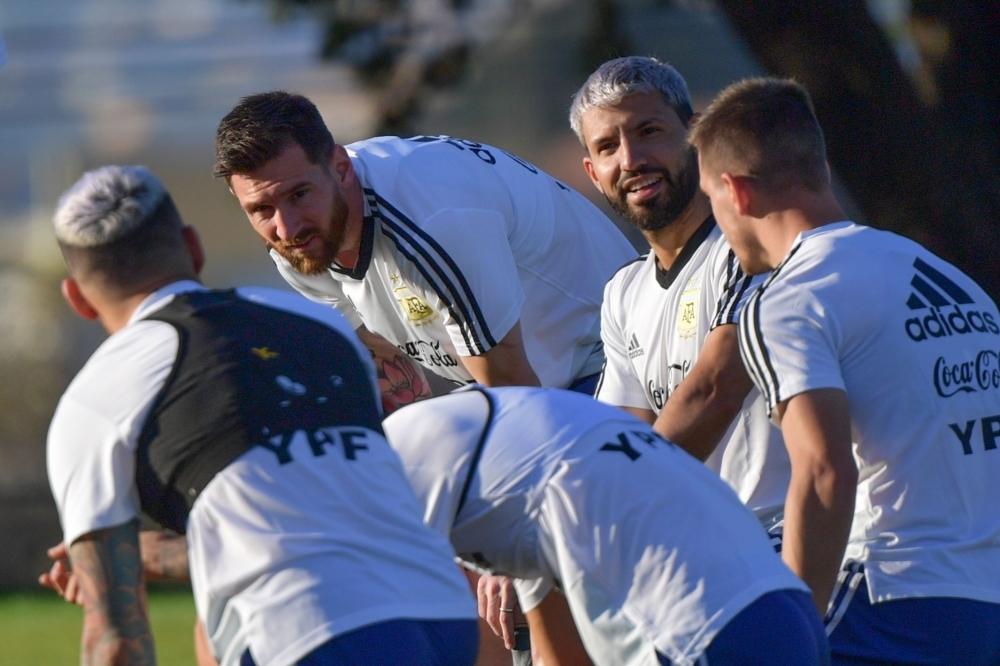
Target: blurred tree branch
<point>911,167</point>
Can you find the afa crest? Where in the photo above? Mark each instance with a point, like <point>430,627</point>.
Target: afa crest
<point>415,309</point>
<point>687,313</point>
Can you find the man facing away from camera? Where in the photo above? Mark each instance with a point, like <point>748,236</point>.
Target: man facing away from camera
<point>879,361</point>
<point>248,420</point>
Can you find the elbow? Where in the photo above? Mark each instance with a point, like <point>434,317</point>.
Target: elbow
<point>835,484</point>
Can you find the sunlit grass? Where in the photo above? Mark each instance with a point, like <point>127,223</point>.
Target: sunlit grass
<point>43,630</point>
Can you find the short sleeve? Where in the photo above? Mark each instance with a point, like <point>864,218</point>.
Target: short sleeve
<point>321,288</point>
<point>789,342</point>
<point>530,593</point>
<point>91,471</point>
<point>470,277</point>
<point>733,286</point>
<point>619,385</point>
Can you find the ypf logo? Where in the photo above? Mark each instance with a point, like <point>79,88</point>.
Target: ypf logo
<point>943,307</point>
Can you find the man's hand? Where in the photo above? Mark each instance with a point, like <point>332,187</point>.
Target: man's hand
<point>498,606</point>
<point>60,577</point>
<point>819,507</point>
<point>700,409</point>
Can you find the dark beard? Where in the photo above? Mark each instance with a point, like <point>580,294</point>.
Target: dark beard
<point>330,244</point>
<point>678,192</point>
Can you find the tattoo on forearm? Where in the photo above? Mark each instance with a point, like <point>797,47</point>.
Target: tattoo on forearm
<point>164,555</point>
<point>402,379</point>
<point>115,624</point>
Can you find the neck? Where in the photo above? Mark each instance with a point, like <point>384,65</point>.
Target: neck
<point>806,211</point>
<point>668,242</point>
<point>348,256</point>
<point>115,311</point>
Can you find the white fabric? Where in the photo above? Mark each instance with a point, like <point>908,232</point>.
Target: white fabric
<point>468,240</point>
<point>283,557</point>
<point>653,552</point>
<point>853,308</point>
<point>652,338</point>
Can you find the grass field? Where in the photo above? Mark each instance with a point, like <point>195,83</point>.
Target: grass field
<point>43,630</point>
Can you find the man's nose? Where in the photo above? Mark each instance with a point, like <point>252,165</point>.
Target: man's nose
<point>287,224</point>
<point>633,157</point>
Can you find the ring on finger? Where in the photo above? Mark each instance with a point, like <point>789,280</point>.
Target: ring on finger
<point>506,610</point>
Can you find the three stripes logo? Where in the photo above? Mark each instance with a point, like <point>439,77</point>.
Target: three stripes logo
<point>942,307</point>
<point>634,348</point>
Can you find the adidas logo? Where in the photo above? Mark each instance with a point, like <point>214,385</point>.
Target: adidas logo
<point>943,302</point>
<point>634,348</point>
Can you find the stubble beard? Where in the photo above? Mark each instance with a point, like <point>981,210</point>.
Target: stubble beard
<point>330,239</point>
<point>679,190</point>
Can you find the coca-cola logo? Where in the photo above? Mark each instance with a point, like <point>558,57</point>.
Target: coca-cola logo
<point>981,374</point>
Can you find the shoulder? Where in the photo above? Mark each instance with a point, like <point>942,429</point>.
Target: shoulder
<point>124,374</point>
<point>629,272</point>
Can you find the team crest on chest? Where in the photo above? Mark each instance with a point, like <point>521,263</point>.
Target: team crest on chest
<point>416,310</point>
<point>687,313</point>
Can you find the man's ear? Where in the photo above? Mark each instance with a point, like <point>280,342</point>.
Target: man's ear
<point>341,166</point>
<point>588,166</point>
<point>76,300</point>
<point>193,242</point>
<point>741,194</point>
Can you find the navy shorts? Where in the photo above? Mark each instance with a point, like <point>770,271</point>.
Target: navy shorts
<point>928,630</point>
<point>417,642</point>
<point>586,385</point>
<point>781,628</point>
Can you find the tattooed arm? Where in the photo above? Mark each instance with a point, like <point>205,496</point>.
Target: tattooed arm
<point>164,555</point>
<point>108,569</point>
<point>400,380</point>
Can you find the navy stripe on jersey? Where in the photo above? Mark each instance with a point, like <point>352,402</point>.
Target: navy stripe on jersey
<point>478,339</point>
<point>433,284</point>
<point>934,275</point>
<point>752,347</point>
<point>737,284</point>
<point>600,380</point>
<point>627,264</point>
<point>477,452</point>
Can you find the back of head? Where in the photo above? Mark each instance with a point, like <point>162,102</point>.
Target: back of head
<point>117,226</point>
<point>261,126</point>
<point>765,129</point>
<point>617,79</point>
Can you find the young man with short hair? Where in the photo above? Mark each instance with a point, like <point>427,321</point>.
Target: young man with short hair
<point>879,360</point>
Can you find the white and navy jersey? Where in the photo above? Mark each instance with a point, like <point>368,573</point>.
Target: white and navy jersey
<point>654,325</point>
<point>461,241</point>
<point>274,537</point>
<point>654,552</point>
<point>915,344</point>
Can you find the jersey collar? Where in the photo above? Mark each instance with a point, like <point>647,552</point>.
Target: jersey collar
<point>666,278</point>
<point>162,296</point>
<point>364,253</point>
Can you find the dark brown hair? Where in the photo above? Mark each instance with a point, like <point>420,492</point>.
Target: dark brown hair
<point>261,126</point>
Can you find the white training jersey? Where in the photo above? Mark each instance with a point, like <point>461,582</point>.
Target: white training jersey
<point>914,343</point>
<point>654,325</point>
<point>653,551</point>
<point>283,557</point>
<point>461,241</point>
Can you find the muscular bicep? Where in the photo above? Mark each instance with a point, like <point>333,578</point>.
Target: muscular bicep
<point>108,567</point>
<point>699,411</point>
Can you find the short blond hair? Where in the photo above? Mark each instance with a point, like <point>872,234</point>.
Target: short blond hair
<point>765,129</point>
